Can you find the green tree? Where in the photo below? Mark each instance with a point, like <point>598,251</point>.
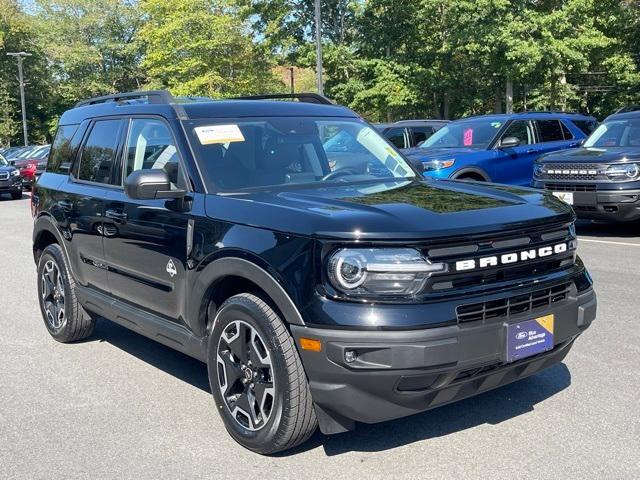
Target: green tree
<point>196,47</point>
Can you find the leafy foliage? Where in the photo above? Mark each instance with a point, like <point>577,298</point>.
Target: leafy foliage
<point>384,58</point>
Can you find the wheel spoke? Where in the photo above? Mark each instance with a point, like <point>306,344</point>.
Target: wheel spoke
<point>232,371</point>
<point>238,344</point>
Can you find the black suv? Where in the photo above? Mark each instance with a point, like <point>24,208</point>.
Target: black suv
<point>602,179</point>
<point>320,287</point>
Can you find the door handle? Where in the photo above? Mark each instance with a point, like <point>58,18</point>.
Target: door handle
<point>116,215</point>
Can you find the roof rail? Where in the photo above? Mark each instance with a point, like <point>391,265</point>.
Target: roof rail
<point>627,109</point>
<point>152,96</point>
<point>301,97</point>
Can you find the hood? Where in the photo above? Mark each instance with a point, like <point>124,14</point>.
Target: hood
<point>593,155</point>
<point>425,154</point>
<point>398,209</point>
<point>7,168</point>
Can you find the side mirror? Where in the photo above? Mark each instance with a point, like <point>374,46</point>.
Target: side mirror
<point>150,184</point>
<point>12,162</point>
<point>509,142</point>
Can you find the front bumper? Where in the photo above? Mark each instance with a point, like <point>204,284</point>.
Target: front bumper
<point>13,184</point>
<point>612,205</point>
<point>400,373</point>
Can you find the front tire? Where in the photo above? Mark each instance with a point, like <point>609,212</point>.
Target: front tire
<point>65,319</point>
<point>257,378</point>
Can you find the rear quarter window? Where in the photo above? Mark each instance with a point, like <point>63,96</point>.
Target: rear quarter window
<point>587,126</point>
<point>62,149</point>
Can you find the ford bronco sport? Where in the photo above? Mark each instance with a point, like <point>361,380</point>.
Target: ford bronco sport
<point>321,288</point>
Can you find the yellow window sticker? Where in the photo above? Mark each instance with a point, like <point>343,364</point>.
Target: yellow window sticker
<point>219,134</point>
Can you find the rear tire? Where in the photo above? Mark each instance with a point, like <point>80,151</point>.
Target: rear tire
<point>257,378</point>
<point>65,319</point>
<point>16,195</point>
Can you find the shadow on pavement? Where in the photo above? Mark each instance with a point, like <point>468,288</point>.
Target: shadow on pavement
<point>181,366</point>
<point>491,407</point>
<point>602,229</point>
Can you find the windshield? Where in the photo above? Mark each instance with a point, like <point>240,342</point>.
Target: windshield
<point>468,133</point>
<point>616,133</point>
<point>281,151</point>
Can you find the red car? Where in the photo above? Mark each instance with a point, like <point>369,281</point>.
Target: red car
<point>31,163</point>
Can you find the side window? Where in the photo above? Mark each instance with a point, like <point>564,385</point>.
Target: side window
<point>420,134</point>
<point>98,153</point>
<point>150,145</point>
<point>566,132</point>
<point>587,126</point>
<point>61,155</point>
<point>396,136</point>
<point>550,131</point>
<point>521,130</point>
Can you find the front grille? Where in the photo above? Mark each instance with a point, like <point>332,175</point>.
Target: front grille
<point>561,187</point>
<point>505,307</point>
<point>572,171</point>
<point>498,245</point>
<point>4,175</point>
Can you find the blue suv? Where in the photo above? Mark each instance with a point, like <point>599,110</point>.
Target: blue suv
<point>499,148</point>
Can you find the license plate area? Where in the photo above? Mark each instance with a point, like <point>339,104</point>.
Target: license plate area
<point>529,337</point>
<point>566,197</point>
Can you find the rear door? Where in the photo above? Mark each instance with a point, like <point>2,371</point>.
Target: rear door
<point>515,165</point>
<point>553,135</point>
<point>79,203</point>
<point>145,241</point>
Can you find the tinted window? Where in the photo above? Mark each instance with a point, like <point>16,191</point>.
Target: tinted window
<point>99,152</point>
<point>587,126</point>
<point>396,136</point>
<point>520,130</point>
<point>61,156</point>
<point>566,132</point>
<point>420,134</point>
<point>550,130</point>
<point>150,145</point>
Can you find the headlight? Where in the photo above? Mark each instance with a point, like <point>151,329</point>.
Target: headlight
<point>15,173</point>
<point>432,165</point>
<point>629,171</point>
<point>362,272</point>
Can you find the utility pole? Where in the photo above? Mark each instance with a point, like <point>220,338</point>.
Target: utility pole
<point>20,56</point>
<point>509,96</point>
<point>319,47</point>
<point>293,88</point>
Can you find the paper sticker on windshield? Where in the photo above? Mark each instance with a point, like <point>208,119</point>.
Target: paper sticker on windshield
<point>219,134</point>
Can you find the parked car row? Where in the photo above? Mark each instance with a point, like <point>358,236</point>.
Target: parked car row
<point>29,162</point>
<point>596,169</point>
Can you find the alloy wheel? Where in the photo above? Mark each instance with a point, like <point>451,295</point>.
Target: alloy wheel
<point>245,375</point>
<point>53,296</point>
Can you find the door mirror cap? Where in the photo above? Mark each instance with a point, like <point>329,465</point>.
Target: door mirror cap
<point>150,184</point>
<point>509,142</point>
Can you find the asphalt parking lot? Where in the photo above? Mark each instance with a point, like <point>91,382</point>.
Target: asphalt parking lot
<point>120,406</point>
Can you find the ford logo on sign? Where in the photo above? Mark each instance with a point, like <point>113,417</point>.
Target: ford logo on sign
<point>521,335</point>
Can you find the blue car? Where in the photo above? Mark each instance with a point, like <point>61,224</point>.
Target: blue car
<point>499,148</point>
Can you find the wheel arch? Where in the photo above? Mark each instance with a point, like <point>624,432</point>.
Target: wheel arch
<point>45,233</point>
<point>228,276</point>
<point>470,172</point>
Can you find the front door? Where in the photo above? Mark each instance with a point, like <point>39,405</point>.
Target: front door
<point>515,165</point>
<point>145,241</point>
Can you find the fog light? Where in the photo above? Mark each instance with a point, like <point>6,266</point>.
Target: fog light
<point>350,356</point>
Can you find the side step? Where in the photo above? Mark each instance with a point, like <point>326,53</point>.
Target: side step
<point>147,324</point>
